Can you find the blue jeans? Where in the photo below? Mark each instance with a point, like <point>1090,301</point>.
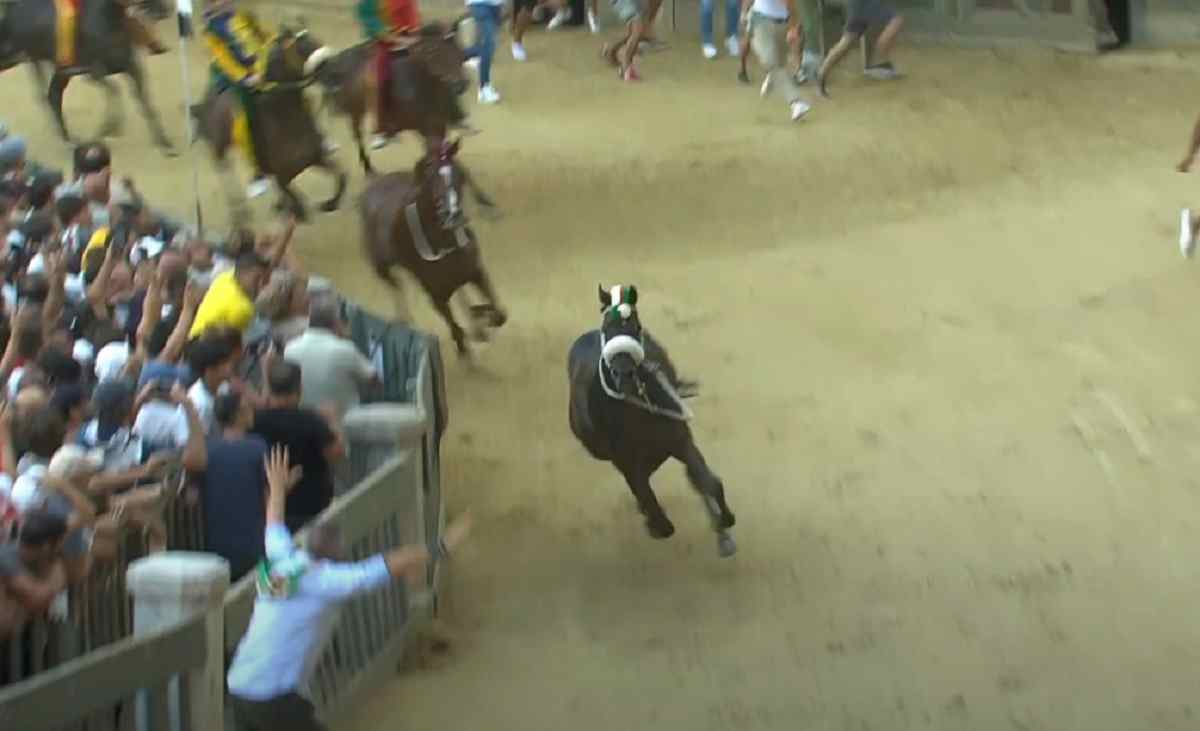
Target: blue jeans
<point>706,19</point>
<point>487,22</point>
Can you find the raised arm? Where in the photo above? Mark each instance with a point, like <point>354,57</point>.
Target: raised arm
<point>192,296</point>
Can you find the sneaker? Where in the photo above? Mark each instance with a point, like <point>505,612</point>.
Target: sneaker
<point>709,50</point>
<point>732,45</point>
<point>766,86</point>
<point>258,187</point>
<point>472,63</point>
<point>881,71</point>
<point>519,52</point>
<point>799,109</point>
<point>801,77</point>
<point>488,94</point>
<point>378,142</point>
<point>593,26</point>
<point>1187,241</point>
<point>559,18</point>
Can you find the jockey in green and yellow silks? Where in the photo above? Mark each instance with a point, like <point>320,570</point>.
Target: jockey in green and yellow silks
<point>237,42</point>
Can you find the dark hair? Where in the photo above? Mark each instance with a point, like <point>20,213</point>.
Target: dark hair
<point>29,342</point>
<point>283,378</point>
<point>226,407</point>
<point>105,332</point>
<point>66,399</point>
<point>41,188</point>
<point>37,228</point>
<point>240,242</point>
<point>59,367</point>
<point>324,541</point>
<point>43,431</point>
<point>158,337</point>
<point>68,208</point>
<point>210,350</point>
<point>39,528</point>
<point>91,157</point>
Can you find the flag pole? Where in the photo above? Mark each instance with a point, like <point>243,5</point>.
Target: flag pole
<point>184,13</point>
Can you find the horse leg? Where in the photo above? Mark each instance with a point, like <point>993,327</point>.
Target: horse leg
<point>356,125</point>
<point>55,90</point>
<point>496,312</point>
<point>456,332</point>
<point>113,111</point>
<point>138,82</point>
<point>330,166</point>
<point>657,522</point>
<point>291,202</point>
<point>712,492</point>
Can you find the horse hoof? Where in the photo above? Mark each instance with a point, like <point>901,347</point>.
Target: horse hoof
<point>660,529</point>
<point>726,546</point>
<point>727,521</point>
<point>499,317</point>
<point>329,206</point>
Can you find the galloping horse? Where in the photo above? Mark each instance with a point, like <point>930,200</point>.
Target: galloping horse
<point>436,76</point>
<point>288,142</point>
<point>28,32</point>
<point>402,226</point>
<point>626,408</point>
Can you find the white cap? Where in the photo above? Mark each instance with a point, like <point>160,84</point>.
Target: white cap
<point>110,360</point>
<point>83,352</point>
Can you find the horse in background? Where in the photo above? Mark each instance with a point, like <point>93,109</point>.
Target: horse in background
<point>626,407</point>
<point>289,141</point>
<point>104,47</point>
<point>403,226</point>
<point>427,103</point>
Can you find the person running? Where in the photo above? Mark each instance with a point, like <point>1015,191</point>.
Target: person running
<point>623,53</point>
<point>391,25</point>
<point>795,48</point>
<point>1189,224</point>
<point>707,47</point>
<point>486,14</point>
<point>299,593</point>
<point>861,15</point>
<point>774,26</point>
<point>237,42</point>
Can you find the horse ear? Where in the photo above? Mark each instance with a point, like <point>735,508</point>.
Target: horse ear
<point>631,295</point>
<point>452,150</point>
<point>605,297</point>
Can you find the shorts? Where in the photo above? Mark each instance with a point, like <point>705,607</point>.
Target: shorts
<point>628,10</point>
<point>862,14</point>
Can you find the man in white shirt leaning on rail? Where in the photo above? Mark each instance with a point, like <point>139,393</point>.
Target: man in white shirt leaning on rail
<point>299,593</point>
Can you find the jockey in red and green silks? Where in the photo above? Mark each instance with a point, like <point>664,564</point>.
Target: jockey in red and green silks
<point>385,22</point>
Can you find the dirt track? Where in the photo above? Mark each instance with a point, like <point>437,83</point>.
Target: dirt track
<point>948,361</point>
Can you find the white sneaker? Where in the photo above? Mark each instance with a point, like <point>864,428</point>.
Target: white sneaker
<point>472,63</point>
<point>593,26</point>
<point>732,45</point>
<point>519,52</point>
<point>799,109</point>
<point>488,95</point>
<point>378,142</point>
<point>559,18</point>
<point>709,50</point>
<point>766,86</point>
<point>1187,242</point>
<point>258,187</point>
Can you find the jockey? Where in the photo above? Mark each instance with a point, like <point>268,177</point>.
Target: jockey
<point>67,34</point>
<point>391,25</point>
<point>237,41</point>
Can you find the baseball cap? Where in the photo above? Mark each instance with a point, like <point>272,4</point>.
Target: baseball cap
<point>110,360</point>
<point>112,393</point>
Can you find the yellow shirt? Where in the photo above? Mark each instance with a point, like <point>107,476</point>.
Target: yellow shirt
<point>225,304</point>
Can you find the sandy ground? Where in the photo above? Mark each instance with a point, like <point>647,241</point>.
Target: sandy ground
<point>947,348</point>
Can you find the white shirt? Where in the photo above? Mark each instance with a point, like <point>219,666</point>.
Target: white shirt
<point>123,451</point>
<point>286,635</point>
<point>331,369</point>
<point>203,401</point>
<point>162,425</point>
<point>775,9</point>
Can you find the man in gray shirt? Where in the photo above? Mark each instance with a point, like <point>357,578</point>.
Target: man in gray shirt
<point>333,373</point>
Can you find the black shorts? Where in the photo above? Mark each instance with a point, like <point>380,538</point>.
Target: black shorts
<point>290,712</point>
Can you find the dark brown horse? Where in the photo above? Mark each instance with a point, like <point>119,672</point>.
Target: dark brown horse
<point>626,408</point>
<point>402,226</point>
<point>28,32</point>
<point>288,140</point>
<point>427,80</point>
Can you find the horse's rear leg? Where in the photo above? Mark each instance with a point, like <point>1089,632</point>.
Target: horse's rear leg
<point>330,166</point>
<point>657,522</point>
<point>456,332</point>
<point>356,125</point>
<point>55,90</point>
<point>138,82</point>
<point>494,309</point>
<point>712,492</point>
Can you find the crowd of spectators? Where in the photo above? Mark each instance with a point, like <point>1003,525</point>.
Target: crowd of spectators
<point>135,348</point>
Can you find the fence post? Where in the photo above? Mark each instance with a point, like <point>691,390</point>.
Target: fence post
<point>377,432</point>
<point>169,588</point>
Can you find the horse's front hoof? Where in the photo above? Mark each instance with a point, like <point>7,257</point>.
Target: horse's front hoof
<point>727,520</point>
<point>726,546</point>
<point>329,206</point>
<point>661,528</point>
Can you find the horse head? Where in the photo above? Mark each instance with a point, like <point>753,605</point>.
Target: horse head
<point>438,52</point>
<point>623,340</point>
<point>296,55</point>
<point>440,174</point>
